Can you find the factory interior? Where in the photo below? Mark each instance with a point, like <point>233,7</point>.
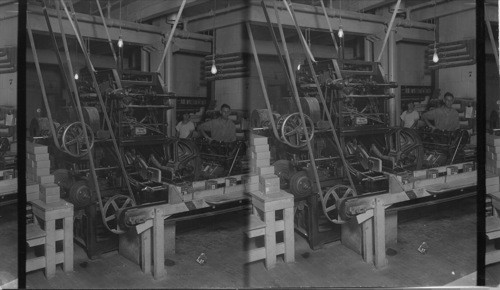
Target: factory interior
<point>249,144</point>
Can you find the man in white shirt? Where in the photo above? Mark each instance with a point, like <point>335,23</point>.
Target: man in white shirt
<point>185,128</point>
<point>410,116</point>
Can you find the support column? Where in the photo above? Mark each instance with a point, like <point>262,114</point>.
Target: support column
<point>145,61</point>
<point>394,103</point>
<point>368,50</point>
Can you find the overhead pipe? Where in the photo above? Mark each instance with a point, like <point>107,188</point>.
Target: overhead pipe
<point>162,59</point>
<point>357,16</point>
<point>126,25</point>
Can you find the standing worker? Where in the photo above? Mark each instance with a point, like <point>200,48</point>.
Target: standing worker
<point>185,128</point>
<point>221,129</point>
<point>445,118</point>
<point>410,116</point>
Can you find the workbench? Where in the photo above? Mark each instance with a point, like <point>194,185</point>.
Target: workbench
<point>153,238</point>
<point>369,229</point>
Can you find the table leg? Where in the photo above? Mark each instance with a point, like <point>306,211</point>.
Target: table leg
<point>50,249</point>
<point>68,244</point>
<point>270,221</point>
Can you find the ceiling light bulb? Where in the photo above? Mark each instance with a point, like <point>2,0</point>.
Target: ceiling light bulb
<point>341,32</point>
<point>76,76</point>
<point>298,67</point>
<point>120,42</point>
<point>214,68</point>
<point>435,57</point>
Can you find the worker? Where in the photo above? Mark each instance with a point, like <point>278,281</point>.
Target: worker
<point>185,128</point>
<point>221,129</point>
<point>445,118</point>
<point>410,116</point>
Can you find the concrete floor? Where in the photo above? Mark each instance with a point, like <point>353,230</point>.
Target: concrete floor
<point>449,230</point>
<point>8,246</point>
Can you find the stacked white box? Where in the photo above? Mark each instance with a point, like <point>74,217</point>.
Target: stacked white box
<point>492,154</point>
<point>40,183</point>
<point>260,162</point>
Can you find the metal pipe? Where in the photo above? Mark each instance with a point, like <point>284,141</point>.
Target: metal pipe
<point>301,37</point>
<point>42,86</point>
<point>299,106</point>
<point>275,42</point>
<point>79,110</point>
<point>234,160</point>
<point>107,32</point>
<point>106,117</point>
<point>261,80</point>
<point>323,102</point>
<point>389,29</point>
<point>58,55</point>
<point>394,108</point>
<point>171,35</point>
<point>329,26</point>
<point>492,39</point>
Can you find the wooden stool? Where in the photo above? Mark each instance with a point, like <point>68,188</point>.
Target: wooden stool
<point>49,213</point>
<point>266,206</point>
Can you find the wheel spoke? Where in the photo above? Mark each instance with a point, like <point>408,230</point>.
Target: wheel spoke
<point>115,206</point>
<point>330,208</point>
<point>126,203</point>
<point>110,218</point>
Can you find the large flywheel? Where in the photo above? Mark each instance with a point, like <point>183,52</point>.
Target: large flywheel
<point>112,210</point>
<point>292,130</point>
<point>407,147</point>
<point>330,199</point>
<point>73,139</point>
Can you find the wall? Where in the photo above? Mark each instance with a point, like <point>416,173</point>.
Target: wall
<point>231,91</point>
<point>461,81</point>
<point>8,81</point>
<point>186,80</point>
<point>411,71</point>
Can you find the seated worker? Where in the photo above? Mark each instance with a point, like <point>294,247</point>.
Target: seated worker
<point>221,129</point>
<point>445,118</point>
<point>185,128</point>
<point>410,117</point>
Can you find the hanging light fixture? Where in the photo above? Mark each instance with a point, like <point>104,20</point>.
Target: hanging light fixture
<point>120,40</point>
<point>213,70</point>
<point>341,31</point>
<point>435,57</point>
